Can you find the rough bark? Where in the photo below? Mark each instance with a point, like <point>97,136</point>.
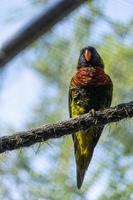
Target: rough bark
<point>51,131</point>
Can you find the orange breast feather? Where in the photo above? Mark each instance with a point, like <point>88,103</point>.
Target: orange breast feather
<point>90,76</point>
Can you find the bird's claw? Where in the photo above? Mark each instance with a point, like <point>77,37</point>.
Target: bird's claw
<point>92,112</point>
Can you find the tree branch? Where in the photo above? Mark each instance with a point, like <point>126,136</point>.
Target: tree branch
<point>35,28</point>
<point>99,118</point>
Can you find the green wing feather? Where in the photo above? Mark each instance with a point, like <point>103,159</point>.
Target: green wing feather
<point>82,100</point>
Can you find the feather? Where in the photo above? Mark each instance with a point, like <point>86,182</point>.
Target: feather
<point>83,98</point>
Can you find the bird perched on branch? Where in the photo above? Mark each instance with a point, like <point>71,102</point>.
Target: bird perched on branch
<point>90,89</point>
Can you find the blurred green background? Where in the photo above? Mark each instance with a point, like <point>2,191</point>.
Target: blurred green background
<point>34,91</point>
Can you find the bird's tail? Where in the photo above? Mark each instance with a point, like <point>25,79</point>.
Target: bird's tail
<point>84,146</point>
<point>82,165</point>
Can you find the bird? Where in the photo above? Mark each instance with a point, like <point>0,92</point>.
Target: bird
<point>90,90</point>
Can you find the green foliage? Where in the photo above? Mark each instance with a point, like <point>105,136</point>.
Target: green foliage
<point>56,60</point>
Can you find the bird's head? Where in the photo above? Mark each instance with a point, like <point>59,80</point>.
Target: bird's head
<point>89,57</point>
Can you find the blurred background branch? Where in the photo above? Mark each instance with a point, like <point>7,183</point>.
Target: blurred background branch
<point>35,28</point>
<point>99,118</point>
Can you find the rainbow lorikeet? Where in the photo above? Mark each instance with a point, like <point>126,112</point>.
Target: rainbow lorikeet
<point>90,89</point>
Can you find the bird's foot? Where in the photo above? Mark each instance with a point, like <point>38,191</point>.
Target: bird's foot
<point>92,112</point>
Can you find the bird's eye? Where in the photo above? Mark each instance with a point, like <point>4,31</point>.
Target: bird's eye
<point>87,55</point>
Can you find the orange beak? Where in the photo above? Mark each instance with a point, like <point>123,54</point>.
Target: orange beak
<point>87,55</point>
